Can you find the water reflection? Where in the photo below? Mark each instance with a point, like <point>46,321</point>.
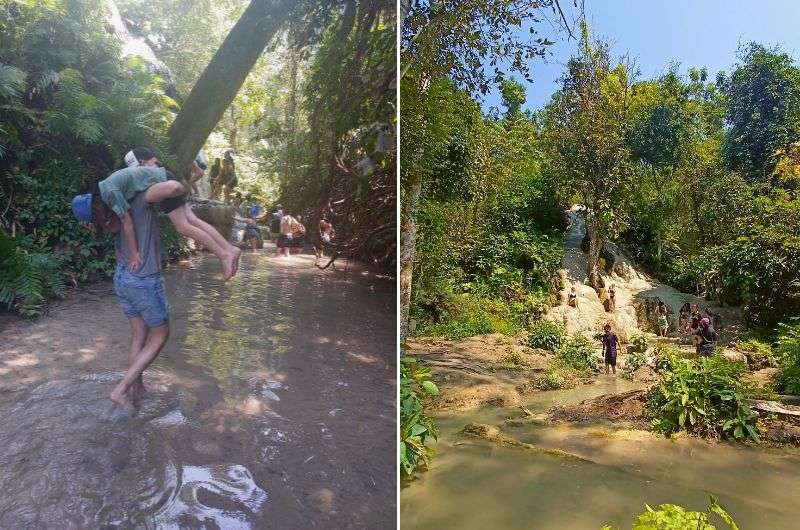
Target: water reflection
<point>226,496</point>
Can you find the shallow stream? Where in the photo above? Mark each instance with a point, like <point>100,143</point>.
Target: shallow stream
<point>475,484</point>
<point>271,406</point>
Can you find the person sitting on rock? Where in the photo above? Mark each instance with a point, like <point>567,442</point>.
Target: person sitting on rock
<point>705,338</point>
<point>572,298</point>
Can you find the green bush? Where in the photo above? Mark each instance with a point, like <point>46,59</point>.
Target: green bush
<point>468,315</point>
<point>759,354</point>
<point>705,397</point>
<point>638,343</point>
<point>577,352</point>
<point>633,362</point>
<point>557,376</point>
<point>788,346</point>
<point>546,335</point>
<point>674,517</point>
<point>27,280</point>
<point>415,425</point>
<point>665,356</point>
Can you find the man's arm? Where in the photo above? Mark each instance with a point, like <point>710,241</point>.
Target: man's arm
<point>129,233</point>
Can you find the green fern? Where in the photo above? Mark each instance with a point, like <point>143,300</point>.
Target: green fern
<point>27,280</point>
<point>12,81</point>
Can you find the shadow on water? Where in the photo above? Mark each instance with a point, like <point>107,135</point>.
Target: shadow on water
<point>270,407</point>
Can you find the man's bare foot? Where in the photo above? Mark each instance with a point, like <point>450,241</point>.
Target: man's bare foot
<point>119,399</point>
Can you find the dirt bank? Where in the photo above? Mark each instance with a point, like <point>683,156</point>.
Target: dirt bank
<point>486,370</point>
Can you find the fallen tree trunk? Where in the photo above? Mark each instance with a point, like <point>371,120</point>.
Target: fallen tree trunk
<point>773,406</point>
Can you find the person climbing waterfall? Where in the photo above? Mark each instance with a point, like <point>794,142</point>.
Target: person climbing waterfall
<point>611,301</point>
<point>610,344</point>
<point>706,338</point>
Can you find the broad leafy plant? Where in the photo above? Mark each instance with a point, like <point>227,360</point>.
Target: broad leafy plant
<point>415,425</point>
<point>704,397</point>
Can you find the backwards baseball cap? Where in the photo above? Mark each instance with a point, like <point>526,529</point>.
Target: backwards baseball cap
<point>82,207</point>
<point>133,156</point>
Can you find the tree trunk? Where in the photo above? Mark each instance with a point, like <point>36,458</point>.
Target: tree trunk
<point>290,116</point>
<point>595,248</point>
<point>408,241</point>
<point>222,78</point>
<point>405,7</point>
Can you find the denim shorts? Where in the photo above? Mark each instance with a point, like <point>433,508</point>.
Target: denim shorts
<point>143,297</point>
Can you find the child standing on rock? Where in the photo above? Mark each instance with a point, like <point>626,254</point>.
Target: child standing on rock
<point>610,345</point>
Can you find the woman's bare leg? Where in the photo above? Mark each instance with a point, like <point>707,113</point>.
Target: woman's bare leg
<point>215,235</point>
<point>225,253</point>
<point>164,190</point>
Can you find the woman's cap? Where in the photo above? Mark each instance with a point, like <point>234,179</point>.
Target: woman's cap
<point>133,156</point>
<point>82,207</point>
<point>704,321</point>
<point>130,159</point>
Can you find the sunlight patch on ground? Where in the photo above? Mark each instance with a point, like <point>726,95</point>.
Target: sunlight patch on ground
<point>27,359</point>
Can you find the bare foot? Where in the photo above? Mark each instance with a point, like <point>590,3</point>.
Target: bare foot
<point>228,264</point>
<point>237,254</point>
<point>119,399</point>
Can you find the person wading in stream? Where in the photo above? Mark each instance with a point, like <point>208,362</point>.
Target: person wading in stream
<point>610,345</point>
<point>142,296</point>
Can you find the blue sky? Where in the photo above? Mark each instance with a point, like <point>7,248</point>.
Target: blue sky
<point>658,32</point>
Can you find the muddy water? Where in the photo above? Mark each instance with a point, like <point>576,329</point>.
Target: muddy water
<point>270,407</point>
<point>475,484</point>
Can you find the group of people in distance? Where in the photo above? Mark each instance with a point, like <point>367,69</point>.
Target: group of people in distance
<point>691,321</point>
<point>607,298</point>
<point>288,232</point>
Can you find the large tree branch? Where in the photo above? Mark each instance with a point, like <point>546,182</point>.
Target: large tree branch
<point>222,79</point>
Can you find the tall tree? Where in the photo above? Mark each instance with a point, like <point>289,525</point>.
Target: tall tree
<point>586,129</point>
<point>763,110</point>
<point>469,42</point>
<point>222,78</point>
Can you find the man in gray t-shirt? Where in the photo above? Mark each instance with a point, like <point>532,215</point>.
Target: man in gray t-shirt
<point>142,297</point>
<point>148,238</point>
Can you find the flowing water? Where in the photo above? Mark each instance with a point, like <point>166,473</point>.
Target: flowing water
<point>475,484</point>
<point>271,406</point>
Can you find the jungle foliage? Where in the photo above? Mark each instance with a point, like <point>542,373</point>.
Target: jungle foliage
<point>704,397</point>
<point>415,425</point>
<point>70,107</point>
<point>674,517</point>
